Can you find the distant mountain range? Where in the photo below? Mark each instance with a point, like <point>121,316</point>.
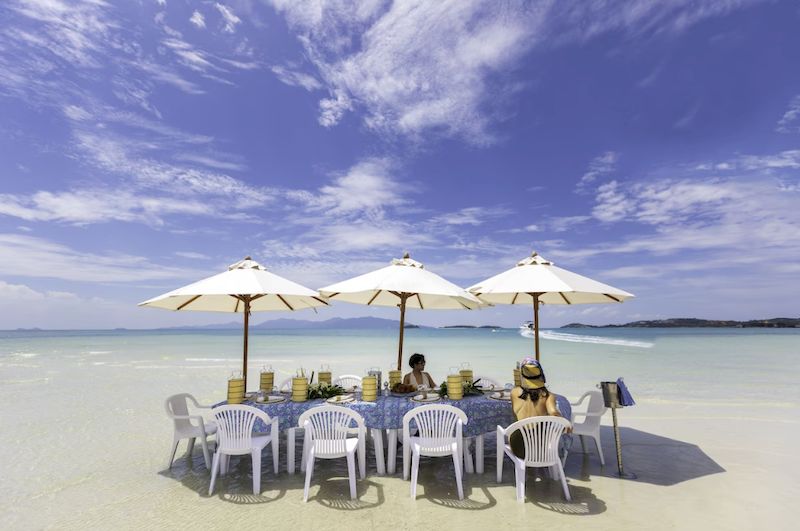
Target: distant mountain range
<point>361,323</point>
<point>778,322</point>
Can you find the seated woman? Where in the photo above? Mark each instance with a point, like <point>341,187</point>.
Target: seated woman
<point>417,376</point>
<point>532,399</point>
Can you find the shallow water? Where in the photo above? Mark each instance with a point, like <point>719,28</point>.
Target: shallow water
<point>86,438</point>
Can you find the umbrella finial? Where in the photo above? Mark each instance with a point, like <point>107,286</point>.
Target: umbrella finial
<point>406,255</point>
<point>247,258</point>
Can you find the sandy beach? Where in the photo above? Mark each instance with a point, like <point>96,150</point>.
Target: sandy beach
<point>86,446</point>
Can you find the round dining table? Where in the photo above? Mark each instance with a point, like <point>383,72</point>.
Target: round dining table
<point>386,413</point>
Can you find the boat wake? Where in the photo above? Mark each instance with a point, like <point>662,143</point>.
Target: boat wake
<point>575,338</point>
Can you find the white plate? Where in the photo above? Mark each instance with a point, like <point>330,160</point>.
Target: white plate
<point>340,399</point>
<point>501,396</point>
<point>273,399</point>
<point>432,397</point>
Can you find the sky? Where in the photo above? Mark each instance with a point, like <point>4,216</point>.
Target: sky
<point>653,146</point>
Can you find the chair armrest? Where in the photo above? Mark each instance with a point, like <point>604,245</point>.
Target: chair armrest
<point>197,404</point>
<point>187,417</point>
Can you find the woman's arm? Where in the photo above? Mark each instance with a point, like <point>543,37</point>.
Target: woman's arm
<point>430,381</point>
<point>407,379</point>
<point>552,407</point>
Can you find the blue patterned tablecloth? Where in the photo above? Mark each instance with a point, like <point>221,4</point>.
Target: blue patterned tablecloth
<point>483,413</point>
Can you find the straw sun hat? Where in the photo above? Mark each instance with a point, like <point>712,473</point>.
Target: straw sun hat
<point>531,374</point>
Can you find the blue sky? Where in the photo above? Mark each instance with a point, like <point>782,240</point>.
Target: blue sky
<point>654,146</point>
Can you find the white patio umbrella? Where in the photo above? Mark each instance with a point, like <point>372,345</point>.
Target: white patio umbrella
<point>245,287</point>
<point>405,283</point>
<point>537,281</point>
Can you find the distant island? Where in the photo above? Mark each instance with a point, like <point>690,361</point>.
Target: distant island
<point>684,322</point>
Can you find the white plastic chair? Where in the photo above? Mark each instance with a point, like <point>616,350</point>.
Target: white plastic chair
<point>178,410</point>
<point>540,436</point>
<point>439,430</point>
<point>591,426</point>
<point>235,437</point>
<point>348,381</point>
<point>326,430</point>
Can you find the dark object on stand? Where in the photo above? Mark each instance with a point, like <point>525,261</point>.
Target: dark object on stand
<point>616,395</point>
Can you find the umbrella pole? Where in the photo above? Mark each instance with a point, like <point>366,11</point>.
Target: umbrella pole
<point>403,298</point>
<point>246,327</point>
<point>536,323</point>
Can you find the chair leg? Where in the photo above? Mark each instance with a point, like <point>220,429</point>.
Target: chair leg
<point>276,451</point>
<point>305,454</point>
<point>224,465</point>
<point>479,454</point>
<point>190,449</point>
<point>519,471</point>
<point>172,453</point>
<point>406,458</point>
<point>351,474</point>
<point>206,454</point>
<point>214,469</point>
<point>391,451</point>
<point>583,444</point>
<point>457,463</point>
<point>309,470</point>
<point>362,457</point>
<point>290,451</point>
<point>599,450</point>
<point>563,480</point>
<point>256,455</point>
<point>414,473</point>
<point>500,454</point>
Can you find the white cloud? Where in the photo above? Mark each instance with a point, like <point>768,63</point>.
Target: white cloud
<point>27,256</point>
<point>432,67</point>
<point>192,255</point>
<point>228,17</point>
<point>598,167</point>
<point>366,188</point>
<point>469,216</point>
<point>565,223</point>
<point>294,78</point>
<point>198,19</point>
<point>790,121</point>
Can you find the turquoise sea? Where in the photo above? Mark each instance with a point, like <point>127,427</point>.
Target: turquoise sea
<point>658,364</point>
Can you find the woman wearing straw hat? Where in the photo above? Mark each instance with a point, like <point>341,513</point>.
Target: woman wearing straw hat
<point>531,399</point>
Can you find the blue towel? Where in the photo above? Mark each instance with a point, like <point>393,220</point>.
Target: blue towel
<point>625,398</point>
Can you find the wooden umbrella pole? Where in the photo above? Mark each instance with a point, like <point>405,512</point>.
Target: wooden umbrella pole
<point>246,327</point>
<point>536,323</point>
<point>403,297</point>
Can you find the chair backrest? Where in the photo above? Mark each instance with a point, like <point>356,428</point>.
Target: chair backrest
<point>235,426</point>
<point>177,405</point>
<point>595,409</point>
<point>348,381</point>
<point>486,382</point>
<point>328,427</point>
<point>436,422</point>
<point>541,436</point>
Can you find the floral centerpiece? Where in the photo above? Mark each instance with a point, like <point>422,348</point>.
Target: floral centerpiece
<point>324,390</point>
